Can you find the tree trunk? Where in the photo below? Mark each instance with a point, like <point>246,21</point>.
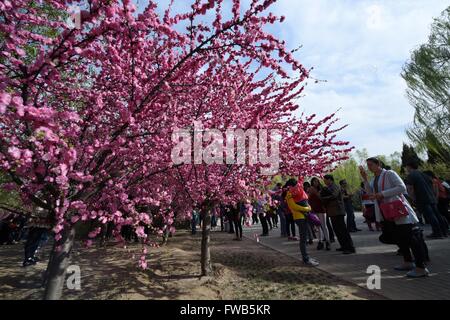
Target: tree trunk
<point>206,255</point>
<point>57,265</point>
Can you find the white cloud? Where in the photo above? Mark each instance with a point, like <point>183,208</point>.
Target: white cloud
<point>359,47</point>
<point>375,17</point>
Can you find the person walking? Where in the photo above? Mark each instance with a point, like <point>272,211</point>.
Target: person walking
<point>333,201</point>
<point>348,204</point>
<point>420,187</point>
<point>299,215</point>
<point>318,209</point>
<point>388,188</point>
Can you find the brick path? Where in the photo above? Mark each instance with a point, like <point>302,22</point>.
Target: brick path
<point>394,285</point>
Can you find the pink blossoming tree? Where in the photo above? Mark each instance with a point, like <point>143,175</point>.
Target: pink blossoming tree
<point>87,113</point>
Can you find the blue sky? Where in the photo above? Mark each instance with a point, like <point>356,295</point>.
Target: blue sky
<point>359,48</point>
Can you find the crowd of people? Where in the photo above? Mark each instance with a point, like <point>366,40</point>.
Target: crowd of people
<point>319,210</point>
<point>34,230</point>
<point>322,210</point>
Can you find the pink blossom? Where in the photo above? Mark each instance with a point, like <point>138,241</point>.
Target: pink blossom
<point>17,102</point>
<point>46,134</point>
<point>97,131</point>
<point>94,232</point>
<point>143,264</point>
<point>58,228</point>
<point>14,152</point>
<point>5,100</point>
<point>140,232</point>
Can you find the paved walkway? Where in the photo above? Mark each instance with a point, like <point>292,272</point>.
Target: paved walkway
<point>394,285</point>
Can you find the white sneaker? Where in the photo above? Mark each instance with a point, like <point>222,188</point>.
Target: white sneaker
<point>311,263</point>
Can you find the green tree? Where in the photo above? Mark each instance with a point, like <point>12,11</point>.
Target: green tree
<point>362,155</point>
<point>427,76</point>
<point>395,161</point>
<point>409,154</point>
<point>348,171</point>
<point>442,170</point>
<point>436,150</point>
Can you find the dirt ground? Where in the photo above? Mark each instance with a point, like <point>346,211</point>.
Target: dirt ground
<point>242,270</point>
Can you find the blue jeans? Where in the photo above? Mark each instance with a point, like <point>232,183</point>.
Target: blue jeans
<point>437,221</point>
<point>303,229</point>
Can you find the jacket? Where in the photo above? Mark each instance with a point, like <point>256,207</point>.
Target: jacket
<point>298,212</point>
<point>333,201</point>
<point>394,189</point>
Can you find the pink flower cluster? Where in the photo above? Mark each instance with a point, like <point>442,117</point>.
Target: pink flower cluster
<point>86,114</point>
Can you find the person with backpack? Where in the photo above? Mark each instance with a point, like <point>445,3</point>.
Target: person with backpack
<point>392,209</point>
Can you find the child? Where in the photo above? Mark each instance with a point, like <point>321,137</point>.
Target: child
<point>299,195</point>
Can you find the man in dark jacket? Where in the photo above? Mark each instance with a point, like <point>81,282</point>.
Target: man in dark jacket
<point>333,201</point>
<point>420,187</point>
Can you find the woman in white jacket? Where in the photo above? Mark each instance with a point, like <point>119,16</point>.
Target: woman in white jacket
<point>387,186</point>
